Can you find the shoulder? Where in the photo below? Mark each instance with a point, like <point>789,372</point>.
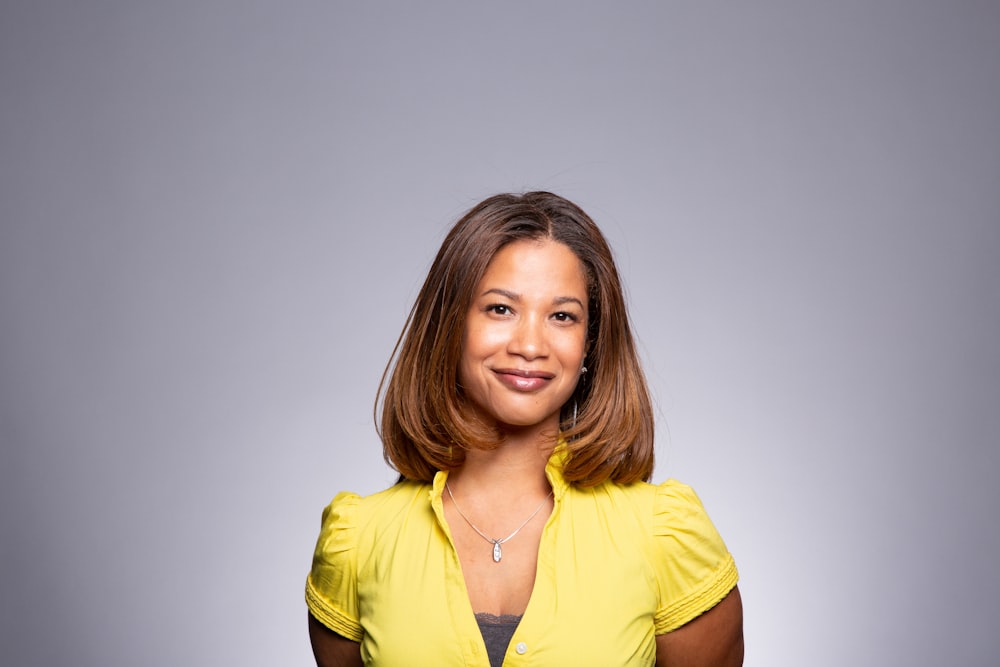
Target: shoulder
<point>669,499</point>
<point>349,512</point>
<point>669,502</point>
<point>695,569</point>
<point>351,526</point>
<point>676,504</point>
<point>669,506</point>
<point>337,529</point>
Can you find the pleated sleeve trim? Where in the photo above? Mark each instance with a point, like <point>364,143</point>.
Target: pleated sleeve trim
<point>694,569</point>
<point>332,584</point>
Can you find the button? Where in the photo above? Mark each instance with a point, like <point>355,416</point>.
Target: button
<point>521,648</point>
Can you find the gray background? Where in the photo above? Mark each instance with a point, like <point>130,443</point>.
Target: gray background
<point>215,216</point>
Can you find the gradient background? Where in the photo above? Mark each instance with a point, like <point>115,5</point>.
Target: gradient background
<point>215,216</point>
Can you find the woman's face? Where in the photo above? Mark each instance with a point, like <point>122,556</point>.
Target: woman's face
<point>525,335</point>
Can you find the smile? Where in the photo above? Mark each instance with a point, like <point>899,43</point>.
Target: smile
<point>523,380</point>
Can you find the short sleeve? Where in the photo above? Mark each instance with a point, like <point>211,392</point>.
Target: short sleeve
<point>332,584</point>
<point>694,570</point>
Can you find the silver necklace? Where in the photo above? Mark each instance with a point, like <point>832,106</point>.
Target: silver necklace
<point>495,541</point>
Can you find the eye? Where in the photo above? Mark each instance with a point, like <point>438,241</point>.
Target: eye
<point>563,316</point>
<point>498,309</point>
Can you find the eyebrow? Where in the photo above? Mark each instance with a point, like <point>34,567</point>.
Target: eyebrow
<point>559,300</point>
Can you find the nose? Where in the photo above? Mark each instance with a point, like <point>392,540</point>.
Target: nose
<point>529,340</point>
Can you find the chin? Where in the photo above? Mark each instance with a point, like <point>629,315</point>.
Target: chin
<point>513,423</point>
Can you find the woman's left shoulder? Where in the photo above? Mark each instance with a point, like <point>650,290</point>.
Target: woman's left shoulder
<point>670,508</point>
<point>673,495</point>
<point>676,507</point>
<point>668,496</point>
<point>695,569</point>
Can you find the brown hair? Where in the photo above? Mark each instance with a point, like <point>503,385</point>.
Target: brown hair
<point>424,423</point>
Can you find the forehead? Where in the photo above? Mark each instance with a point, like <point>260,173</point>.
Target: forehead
<point>539,263</point>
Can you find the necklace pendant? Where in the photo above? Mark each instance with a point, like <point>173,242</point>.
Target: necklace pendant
<point>497,553</point>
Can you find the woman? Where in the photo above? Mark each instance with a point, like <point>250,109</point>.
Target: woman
<point>523,530</point>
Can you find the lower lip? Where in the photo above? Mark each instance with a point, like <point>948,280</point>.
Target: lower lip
<point>522,383</point>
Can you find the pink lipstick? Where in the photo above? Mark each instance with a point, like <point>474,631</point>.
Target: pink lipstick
<point>521,380</point>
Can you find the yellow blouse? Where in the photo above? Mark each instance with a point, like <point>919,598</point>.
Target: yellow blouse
<point>617,565</point>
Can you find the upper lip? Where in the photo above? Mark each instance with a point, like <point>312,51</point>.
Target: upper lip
<point>525,373</point>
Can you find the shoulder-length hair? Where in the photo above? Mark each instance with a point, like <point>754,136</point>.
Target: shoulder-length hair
<point>423,418</point>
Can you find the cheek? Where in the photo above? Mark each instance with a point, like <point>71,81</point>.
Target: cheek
<point>574,349</point>
<point>480,340</point>
<point>475,347</point>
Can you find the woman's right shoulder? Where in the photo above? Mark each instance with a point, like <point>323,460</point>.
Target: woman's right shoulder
<point>349,510</point>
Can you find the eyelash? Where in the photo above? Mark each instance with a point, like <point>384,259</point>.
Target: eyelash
<point>561,316</point>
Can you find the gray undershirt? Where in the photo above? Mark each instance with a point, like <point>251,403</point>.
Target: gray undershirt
<point>497,631</point>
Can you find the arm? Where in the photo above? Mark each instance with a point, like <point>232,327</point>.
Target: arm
<point>714,639</point>
<point>330,649</point>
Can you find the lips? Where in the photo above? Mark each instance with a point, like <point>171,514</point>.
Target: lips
<point>522,380</point>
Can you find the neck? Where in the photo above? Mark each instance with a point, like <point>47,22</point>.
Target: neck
<point>514,469</point>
